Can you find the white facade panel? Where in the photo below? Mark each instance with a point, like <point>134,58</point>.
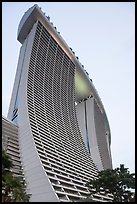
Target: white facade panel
<point>81,119</point>
<point>92,134</point>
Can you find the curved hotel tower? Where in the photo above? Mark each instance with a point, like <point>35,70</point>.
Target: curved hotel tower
<point>63,131</point>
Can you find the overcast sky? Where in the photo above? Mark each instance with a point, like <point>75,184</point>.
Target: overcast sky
<point>102,35</point>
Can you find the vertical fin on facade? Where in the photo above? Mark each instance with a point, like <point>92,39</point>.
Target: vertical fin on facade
<point>87,139</point>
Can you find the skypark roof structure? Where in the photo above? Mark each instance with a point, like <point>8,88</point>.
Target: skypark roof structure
<point>84,86</point>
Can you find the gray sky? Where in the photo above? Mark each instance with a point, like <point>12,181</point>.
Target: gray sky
<point>102,35</point>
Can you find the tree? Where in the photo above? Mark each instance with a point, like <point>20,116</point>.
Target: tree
<point>6,162</point>
<point>118,182</point>
<point>88,199</point>
<point>13,188</point>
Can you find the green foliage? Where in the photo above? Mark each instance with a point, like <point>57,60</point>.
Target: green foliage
<point>118,182</point>
<point>89,199</point>
<point>13,188</point>
<point>6,162</point>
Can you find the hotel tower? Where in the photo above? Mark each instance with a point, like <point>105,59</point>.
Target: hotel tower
<point>63,131</point>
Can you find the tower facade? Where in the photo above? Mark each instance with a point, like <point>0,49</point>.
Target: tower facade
<point>95,131</point>
<point>55,156</point>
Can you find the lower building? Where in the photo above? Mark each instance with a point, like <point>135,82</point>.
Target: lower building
<point>10,144</point>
